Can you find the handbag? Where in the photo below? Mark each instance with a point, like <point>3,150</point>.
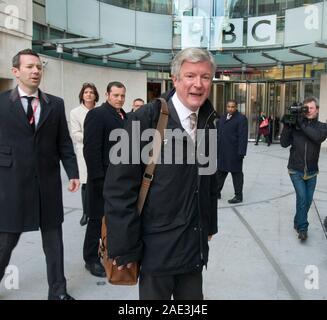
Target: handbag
<point>129,276</point>
<point>264,123</point>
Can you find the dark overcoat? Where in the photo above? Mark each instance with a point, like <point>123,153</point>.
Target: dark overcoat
<point>30,182</point>
<point>232,142</point>
<point>180,211</point>
<point>98,124</point>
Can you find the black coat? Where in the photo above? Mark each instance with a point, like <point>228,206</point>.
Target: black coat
<point>180,211</point>
<point>232,142</point>
<point>30,182</point>
<point>305,144</point>
<point>98,124</point>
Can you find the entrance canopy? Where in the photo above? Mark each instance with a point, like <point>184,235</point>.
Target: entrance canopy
<point>88,49</point>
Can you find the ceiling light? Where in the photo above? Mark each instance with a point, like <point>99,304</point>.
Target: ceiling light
<point>104,59</point>
<point>243,67</point>
<point>138,64</point>
<point>315,61</point>
<point>279,65</point>
<point>60,48</point>
<point>75,53</point>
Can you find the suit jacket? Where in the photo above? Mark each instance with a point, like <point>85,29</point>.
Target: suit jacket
<point>232,142</point>
<point>30,182</point>
<point>98,124</point>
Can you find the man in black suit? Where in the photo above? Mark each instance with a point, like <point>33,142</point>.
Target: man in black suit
<point>98,125</point>
<point>232,144</point>
<point>34,137</point>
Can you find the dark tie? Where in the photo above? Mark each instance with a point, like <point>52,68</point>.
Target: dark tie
<point>29,114</point>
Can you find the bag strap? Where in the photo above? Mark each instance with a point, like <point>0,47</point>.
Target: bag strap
<point>155,152</point>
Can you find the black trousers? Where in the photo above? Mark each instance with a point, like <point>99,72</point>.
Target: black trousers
<point>91,240</point>
<point>186,286</point>
<point>238,180</point>
<point>83,194</point>
<point>95,211</point>
<point>54,254</point>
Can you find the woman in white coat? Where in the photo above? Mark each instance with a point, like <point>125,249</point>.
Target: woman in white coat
<point>88,98</point>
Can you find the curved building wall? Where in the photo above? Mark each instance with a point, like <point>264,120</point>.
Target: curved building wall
<point>16,25</point>
<point>65,79</point>
<point>92,18</point>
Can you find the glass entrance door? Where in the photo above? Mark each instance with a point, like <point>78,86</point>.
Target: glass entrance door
<point>275,107</point>
<point>256,103</point>
<point>292,92</point>
<point>217,97</point>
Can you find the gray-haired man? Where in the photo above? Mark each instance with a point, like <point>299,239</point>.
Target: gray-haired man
<point>170,239</point>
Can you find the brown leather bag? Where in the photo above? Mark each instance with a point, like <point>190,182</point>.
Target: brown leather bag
<point>129,276</point>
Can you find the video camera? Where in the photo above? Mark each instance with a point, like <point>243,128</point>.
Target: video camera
<point>295,111</point>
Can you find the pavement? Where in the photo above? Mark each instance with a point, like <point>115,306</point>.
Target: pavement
<point>255,255</point>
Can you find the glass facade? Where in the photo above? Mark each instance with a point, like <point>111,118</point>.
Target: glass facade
<point>267,77</point>
<point>153,6</point>
<point>231,9</point>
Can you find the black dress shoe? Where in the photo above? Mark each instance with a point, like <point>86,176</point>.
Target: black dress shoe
<point>325,223</point>
<point>64,296</point>
<point>235,200</point>
<point>303,235</point>
<point>84,220</point>
<point>96,269</point>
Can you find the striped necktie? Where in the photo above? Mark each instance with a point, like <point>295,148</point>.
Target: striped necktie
<point>121,115</point>
<point>193,125</point>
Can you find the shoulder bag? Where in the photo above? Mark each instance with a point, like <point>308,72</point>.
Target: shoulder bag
<point>129,276</point>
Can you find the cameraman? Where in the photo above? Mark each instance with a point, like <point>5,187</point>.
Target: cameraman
<point>305,138</point>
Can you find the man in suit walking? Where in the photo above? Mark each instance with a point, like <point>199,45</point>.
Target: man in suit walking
<point>232,145</point>
<point>34,137</point>
<point>179,217</point>
<point>98,125</point>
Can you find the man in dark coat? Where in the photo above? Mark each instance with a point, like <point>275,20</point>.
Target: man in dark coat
<point>98,125</point>
<point>170,238</point>
<point>232,145</point>
<point>34,137</point>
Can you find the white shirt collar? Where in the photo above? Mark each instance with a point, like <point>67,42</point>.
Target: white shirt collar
<point>24,94</point>
<point>182,111</point>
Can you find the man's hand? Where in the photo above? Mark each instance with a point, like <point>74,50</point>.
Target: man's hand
<point>73,185</point>
<point>209,237</point>
<point>286,124</point>
<point>129,265</point>
<point>299,120</point>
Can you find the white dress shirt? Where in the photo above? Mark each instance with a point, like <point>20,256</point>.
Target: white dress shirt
<point>184,114</point>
